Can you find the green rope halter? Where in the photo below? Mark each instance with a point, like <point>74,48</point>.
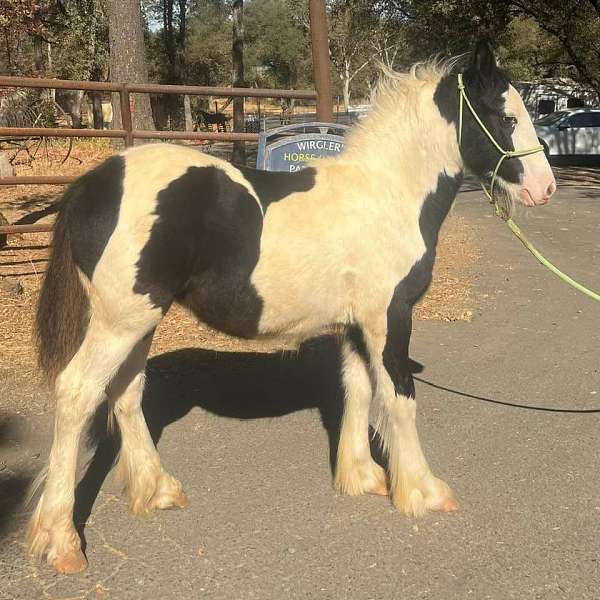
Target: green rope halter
<point>504,154</point>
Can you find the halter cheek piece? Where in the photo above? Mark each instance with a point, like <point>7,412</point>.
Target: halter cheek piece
<point>463,99</point>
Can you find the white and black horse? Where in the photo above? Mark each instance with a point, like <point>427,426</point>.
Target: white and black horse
<point>348,242</point>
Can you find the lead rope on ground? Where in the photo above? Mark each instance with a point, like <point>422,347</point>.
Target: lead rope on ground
<point>578,286</point>
<point>509,222</point>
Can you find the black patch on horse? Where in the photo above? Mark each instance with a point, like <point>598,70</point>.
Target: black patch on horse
<point>92,206</point>
<point>433,213</point>
<point>202,250</point>
<point>411,289</point>
<point>485,85</point>
<point>272,186</point>
<point>356,339</point>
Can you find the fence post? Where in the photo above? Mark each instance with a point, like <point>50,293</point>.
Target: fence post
<point>126,121</point>
<point>320,53</point>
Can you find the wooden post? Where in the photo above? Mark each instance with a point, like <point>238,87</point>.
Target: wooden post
<point>320,53</point>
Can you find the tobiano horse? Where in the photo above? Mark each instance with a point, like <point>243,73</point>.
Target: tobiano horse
<point>348,242</point>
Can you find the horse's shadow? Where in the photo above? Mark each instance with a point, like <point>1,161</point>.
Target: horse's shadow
<point>232,385</point>
<point>13,484</point>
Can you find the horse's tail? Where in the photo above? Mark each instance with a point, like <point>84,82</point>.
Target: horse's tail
<point>63,308</point>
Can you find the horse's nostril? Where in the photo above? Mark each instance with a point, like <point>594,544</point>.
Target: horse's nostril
<point>551,189</point>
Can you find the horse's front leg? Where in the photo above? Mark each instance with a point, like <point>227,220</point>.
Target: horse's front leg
<point>356,472</point>
<point>413,487</point>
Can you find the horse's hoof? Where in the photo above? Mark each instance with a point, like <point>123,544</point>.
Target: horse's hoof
<point>169,494</point>
<point>178,501</point>
<point>72,562</point>
<point>445,501</point>
<point>415,498</point>
<point>362,478</point>
<point>380,489</point>
<point>449,505</point>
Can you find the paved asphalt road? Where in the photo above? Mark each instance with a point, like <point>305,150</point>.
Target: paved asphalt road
<point>506,414</point>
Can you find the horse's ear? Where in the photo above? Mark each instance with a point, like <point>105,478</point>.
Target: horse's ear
<point>484,61</point>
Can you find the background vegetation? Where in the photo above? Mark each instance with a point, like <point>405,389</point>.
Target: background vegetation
<point>189,41</point>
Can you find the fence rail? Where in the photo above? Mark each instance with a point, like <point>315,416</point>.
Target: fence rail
<point>127,132</point>
<point>154,88</point>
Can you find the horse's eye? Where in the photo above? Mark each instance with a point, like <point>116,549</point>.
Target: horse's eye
<point>509,122</point>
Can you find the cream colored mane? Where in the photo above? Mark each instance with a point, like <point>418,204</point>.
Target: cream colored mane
<point>404,137</point>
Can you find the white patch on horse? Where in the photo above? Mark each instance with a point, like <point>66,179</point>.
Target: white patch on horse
<point>537,183</point>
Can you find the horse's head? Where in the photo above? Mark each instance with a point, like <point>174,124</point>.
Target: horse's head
<point>497,140</point>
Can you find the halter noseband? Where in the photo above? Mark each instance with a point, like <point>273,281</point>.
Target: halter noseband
<point>503,153</point>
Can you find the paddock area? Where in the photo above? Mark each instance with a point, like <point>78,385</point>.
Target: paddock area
<point>508,410</point>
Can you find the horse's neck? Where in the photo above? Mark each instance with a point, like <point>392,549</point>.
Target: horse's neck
<point>410,162</point>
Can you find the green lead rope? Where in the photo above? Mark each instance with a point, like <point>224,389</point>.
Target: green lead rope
<point>515,229</point>
<point>504,154</point>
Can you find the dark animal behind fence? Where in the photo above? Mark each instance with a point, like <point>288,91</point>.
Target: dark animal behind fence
<point>207,120</point>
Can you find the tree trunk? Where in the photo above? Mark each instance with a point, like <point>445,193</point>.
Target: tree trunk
<point>174,35</point>
<point>38,55</point>
<point>237,55</point>
<point>346,92</point>
<point>51,94</point>
<point>346,79</point>
<point>97,110</point>
<point>128,58</point>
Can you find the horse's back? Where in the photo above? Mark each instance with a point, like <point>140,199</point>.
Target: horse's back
<point>177,224</point>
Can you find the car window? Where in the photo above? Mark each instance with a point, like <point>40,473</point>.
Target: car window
<point>595,119</point>
<point>552,118</point>
<point>581,120</point>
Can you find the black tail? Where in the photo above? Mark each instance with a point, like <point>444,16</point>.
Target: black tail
<point>63,309</point>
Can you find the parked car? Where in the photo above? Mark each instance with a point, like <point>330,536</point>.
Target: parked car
<point>569,132</point>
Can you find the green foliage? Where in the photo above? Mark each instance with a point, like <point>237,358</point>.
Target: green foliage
<point>277,46</point>
<point>81,42</point>
<point>448,27</point>
<point>573,30</point>
<point>527,52</point>
<point>363,33</point>
<point>190,40</point>
<point>67,39</point>
<point>208,44</point>
<point>276,43</point>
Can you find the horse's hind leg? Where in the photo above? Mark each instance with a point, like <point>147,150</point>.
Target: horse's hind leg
<point>139,469</point>
<point>356,472</point>
<point>79,390</point>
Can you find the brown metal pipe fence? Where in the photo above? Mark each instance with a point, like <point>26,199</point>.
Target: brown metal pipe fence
<point>154,88</point>
<point>127,133</point>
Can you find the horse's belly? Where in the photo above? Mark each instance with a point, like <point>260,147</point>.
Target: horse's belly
<point>226,301</point>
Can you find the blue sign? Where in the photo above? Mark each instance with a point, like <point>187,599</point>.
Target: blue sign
<point>289,148</point>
